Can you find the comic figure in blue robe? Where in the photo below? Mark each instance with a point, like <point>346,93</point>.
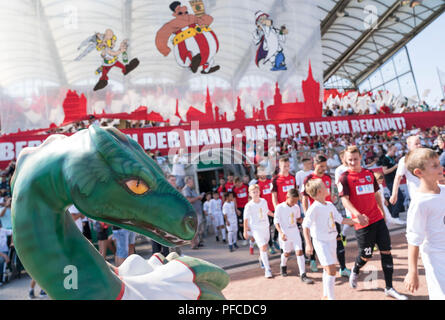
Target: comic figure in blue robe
<point>270,42</point>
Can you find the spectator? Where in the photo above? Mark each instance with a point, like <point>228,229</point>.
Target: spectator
<point>4,250</point>
<point>190,193</point>
<point>328,112</point>
<point>5,214</point>
<point>77,217</point>
<point>441,144</point>
<point>442,105</point>
<point>103,240</point>
<point>122,239</point>
<point>389,166</point>
<point>172,180</point>
<point>162,161</point>
<point>178,169</point>
<point>214,185</point>
<point>373,107</point>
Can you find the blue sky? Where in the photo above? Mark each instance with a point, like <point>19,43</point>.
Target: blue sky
<point>427,53</point>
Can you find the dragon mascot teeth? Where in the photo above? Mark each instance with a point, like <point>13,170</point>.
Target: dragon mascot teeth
<point>109,178</point>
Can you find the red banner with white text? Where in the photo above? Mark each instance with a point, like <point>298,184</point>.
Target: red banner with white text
<point>195,136</point>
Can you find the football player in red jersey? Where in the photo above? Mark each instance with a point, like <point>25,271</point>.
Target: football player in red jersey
<point>359,193</point>
<point>230,183</point>
<point>241,191</point>
<point>320,168</point>
<point>222,188</point>
<point>281,184</point>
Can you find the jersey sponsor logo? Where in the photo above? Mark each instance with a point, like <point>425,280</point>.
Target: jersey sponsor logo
<point>331,223</point>
<point>242,195</point>
<point>364,189</point>
<point>287,188</point>
<point>292,220</point>
<point>266,191</point>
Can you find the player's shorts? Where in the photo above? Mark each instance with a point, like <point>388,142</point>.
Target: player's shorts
<point>217,219</point>
<point>368,237</point>
<point>261,236</point>
<point>233,226</point>
<point>326,251</point>
<point>434,273</point>
<point>241,218</point>
<point>293,242</point>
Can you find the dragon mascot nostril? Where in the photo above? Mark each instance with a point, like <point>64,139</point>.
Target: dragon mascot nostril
<point>109,178</point>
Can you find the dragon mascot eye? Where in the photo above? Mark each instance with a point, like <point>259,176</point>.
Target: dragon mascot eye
<point>137,186</point>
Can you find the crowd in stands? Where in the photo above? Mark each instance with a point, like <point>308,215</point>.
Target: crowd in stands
<point>351,109</point>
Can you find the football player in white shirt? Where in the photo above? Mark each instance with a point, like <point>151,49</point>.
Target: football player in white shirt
<point>231,219</point>
<point>256,225</point>
<point>413,182</point>
<point>338,172</point>
<point>319,222</point>
<point>206,211</point>
<point>215,209</point>
<point>426,224</point>
<point>286,216</point>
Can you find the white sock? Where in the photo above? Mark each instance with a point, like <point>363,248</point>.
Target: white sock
<point>229,236</point>
<point>301,264</point>
<point>330,286</point>
<point>265,259</point>
<point>234,238</point>
<point>251,243</point>
<point>215,228</point>
<point>325,283</point>
<point>223,232</point>
<point>283,260</point>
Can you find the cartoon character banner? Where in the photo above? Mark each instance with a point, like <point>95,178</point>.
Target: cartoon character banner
<point>165,56</point>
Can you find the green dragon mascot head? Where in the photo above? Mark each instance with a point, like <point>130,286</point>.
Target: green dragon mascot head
<point>109,178</point>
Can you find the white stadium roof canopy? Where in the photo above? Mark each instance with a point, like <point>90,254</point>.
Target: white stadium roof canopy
<point>358,36</point>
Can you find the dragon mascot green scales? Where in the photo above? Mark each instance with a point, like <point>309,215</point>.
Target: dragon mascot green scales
<point>109,178</point>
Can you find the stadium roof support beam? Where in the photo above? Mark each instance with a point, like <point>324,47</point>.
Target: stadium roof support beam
<point>397,46</point>
<point>127,18</point>
<point>358,43</point>
<point>332,16</point>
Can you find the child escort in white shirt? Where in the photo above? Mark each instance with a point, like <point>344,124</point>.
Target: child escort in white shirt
<point>319,222</point>
<point>425,229</point>
<point>256,225</point>
<point>287,214</point>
